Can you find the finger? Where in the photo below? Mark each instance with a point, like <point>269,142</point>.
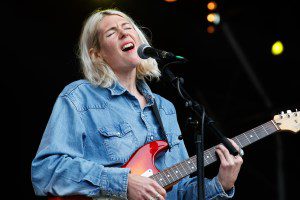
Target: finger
<point>156,195</point>
<point>227,155</point>
<point>149,197</point>
<point>159,189</point>
<point>237,147</point>
<point>240,150</point>
<point>221,156</point>
<point>238,159</point>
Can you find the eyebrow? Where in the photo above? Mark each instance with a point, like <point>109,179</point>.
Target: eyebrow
<point>114,27</point>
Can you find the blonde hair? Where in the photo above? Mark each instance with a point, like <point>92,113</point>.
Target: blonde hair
<point>97,71</point>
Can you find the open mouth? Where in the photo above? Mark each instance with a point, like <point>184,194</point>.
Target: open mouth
<point>128,47</point>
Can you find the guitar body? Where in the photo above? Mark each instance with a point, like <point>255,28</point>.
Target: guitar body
<point>142,162</point>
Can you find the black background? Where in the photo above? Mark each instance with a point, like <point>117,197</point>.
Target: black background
<point>39,58</point>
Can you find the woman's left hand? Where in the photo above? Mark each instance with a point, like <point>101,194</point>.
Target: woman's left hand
<point>229,167</point>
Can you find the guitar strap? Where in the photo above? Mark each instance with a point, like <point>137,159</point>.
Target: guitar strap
<point>157,115</point>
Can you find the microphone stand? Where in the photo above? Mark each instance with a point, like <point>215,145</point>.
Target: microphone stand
<point>199,112</point>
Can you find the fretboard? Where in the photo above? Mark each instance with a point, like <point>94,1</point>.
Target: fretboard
<point>187,167</point>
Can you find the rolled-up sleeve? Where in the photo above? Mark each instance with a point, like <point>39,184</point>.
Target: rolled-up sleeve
<point>59,167</point>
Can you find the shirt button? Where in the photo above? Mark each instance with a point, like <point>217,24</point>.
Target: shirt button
<point>151,137</point>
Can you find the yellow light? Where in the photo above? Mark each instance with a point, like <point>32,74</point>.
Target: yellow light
<point>212,5</point>
<point>277,48</point>
<point>210,29</point>
<point>170,1</point>
<point>213,18</point>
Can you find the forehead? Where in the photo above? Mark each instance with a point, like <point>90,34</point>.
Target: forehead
<point>110,21</point>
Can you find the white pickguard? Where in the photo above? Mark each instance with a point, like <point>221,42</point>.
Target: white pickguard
<point>147,173</point>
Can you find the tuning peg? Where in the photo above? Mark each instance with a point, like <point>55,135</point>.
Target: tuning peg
<point>288,112</point>
<point>296,112</point>
<point>281,114</point>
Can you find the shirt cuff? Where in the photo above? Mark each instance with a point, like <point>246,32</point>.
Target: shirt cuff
<point>112,181</point>
<point>220,191</point>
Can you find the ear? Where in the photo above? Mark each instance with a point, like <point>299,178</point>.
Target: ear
<point>94,54</point>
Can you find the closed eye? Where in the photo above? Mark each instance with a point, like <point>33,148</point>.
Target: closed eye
<point>110,33</point>
<point>127,26</point>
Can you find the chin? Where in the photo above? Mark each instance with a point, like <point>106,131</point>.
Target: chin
<point>135,62</point>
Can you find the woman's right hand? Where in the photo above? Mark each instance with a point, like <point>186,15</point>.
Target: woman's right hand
<point>140,188</point>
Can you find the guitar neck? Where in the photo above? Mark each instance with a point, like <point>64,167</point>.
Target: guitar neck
<point>173,174</point>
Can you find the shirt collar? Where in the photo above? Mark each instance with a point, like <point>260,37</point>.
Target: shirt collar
<point>117,89</point>
<point>146,91</point>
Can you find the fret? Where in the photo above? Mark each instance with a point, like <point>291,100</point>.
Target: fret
<point>214,158</point>
<point>205,162</point>
<point>205,158</point>
<point>167,176</point>
<point>175,175</point>
<point>247,138</point>
<point>242,140</point>
<point>235,140</point>
<point>265,129</point>
<point>176,172</point>
<point>157,179</point>
<point>179,171</point>
<point>187,167</point>
<point>238,141</point>
<point>189,162</point>
<point>160,178</point>
<point>274,125</point>
<point>193,161</point>
<point>260,131</point>
<point>256,134</point>
<point>251,136</point>
<point>209,156</point>
<point>183,169</point>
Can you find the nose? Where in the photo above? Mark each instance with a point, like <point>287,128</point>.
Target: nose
<point>123,33</point>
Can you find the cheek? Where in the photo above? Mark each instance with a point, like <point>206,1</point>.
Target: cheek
<point>108,50</point>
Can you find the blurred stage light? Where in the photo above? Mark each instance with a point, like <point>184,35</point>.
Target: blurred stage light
<point>213,18</point>
<point>170,1</point>
<point>210,29</point>
<point>277,48</point>
<point>212,5</point>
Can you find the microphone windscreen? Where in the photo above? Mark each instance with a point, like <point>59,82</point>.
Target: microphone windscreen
<point>141,50</point>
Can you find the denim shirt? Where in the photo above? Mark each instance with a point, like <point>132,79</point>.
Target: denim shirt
<point>93,131</point>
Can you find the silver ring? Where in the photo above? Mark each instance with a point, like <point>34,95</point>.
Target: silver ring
<point>157,196</point>
<point>241,152</point>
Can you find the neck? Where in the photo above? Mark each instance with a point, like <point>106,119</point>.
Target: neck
<point>128,81</point>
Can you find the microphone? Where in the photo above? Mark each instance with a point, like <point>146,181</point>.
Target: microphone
<point>145,51</point>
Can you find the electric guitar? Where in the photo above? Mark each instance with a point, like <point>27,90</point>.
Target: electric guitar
<point>142,161</point>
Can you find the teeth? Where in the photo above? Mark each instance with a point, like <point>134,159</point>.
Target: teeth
<point>127,46</point>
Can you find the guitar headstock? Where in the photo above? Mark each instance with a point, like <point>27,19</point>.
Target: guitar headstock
<point>289,121</point>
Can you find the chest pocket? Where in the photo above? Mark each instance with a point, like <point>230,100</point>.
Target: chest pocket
<point>119,141</point>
